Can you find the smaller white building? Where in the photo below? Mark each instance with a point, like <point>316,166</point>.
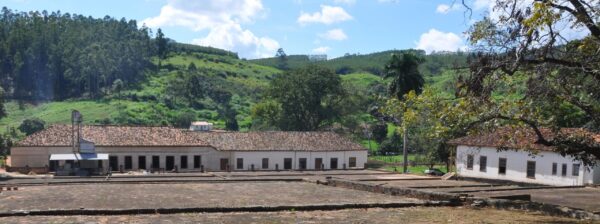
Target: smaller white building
<point>478,156</point>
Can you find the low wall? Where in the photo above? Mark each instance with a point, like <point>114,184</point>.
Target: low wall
<point>26,170</point>
<point>408,192</point>
<point>456,200</point>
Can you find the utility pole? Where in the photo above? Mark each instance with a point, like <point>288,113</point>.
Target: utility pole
<point>405,151</point>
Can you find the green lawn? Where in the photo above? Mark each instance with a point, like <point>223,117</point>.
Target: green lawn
<point>393,159</point>
<point>415,169</point>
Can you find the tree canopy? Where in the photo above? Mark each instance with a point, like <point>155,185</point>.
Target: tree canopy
<point>561,71</point>
<point>404,70</point>
<point>302,99</point>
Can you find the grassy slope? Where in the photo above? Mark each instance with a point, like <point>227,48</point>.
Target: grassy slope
<point>242,75</point>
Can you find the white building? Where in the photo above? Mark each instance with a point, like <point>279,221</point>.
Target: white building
<point>123,148</point>
<point>478,156</point>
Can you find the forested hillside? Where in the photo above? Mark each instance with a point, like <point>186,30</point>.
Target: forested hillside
<point>372,63</point>
<point>56,56</point>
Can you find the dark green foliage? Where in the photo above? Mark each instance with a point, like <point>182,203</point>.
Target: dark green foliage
<point>404,70</point>
<point>374,63</point>
<point>392,145</point>
<point>2,109</point>
<point>190,48</point>
<point>282,62</point>
<point>308,97</point>
<point>161,44</point>
<point>184,119</point>
<point>54,56</point>
<point>33,125</point>
<point>379,132</point>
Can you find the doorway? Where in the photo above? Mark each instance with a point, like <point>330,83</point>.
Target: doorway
<point>302,163</point>
<point>53,165</point>
<point>287,163</point>
<point>170,165</point>
<point>155,162</point>
<point>113,162</point>
<point>224,163</point>
<point>318,163</point>
<point>142,162</point>
<point>334,163</point>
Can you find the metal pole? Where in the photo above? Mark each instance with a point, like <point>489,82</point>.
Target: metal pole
<point>405,151</point>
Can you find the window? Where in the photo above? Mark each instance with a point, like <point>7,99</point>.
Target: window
<point>502,166</point>
<point>352,162</point>
<point>564,169</point>
<point>197,161</point>
<point>142,162</point>
<point>183,162</point>
<point>287,163</point>
<point>239,163</point>
<point>333,163</point>
<point>155,162</point>
<point>265,163</point>
<point>576,169</point>
<point>469,162</point>
<point>554,168</point>
<point>482,163</point>
<point>302,163</point>
<point>530,169</point>
<point>128,163</point>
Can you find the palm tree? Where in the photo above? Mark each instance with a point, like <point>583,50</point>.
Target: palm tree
<point>405,71</point>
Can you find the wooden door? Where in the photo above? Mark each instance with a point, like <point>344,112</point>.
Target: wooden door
<point>318,163</point>
<point>224,163</point>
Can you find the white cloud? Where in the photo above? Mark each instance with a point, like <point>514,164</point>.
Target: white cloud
<point>234,38</point>
<point>445,9</point>
<point>347,2</point>
<point>334,34</point>
<point>222,19</point>
<point>321,50</point>
<point>435,40</point>
<point>327,15</point>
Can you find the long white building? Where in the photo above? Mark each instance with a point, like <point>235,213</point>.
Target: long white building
<point>122,148</point>
<point>479,156</point>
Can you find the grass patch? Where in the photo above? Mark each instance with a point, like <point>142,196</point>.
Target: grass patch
<point>415,169</point>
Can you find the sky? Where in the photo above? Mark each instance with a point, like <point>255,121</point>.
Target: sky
<point>257,28</point>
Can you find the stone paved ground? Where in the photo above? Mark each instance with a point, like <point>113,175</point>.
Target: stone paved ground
<point>115,196</point>
<point>414,215</point>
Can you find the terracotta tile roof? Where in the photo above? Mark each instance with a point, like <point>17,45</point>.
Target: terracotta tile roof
<point>279,141</point>
<point>519,138</point>
<point>60,135</point>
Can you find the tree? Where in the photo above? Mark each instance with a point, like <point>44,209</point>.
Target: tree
<point>184,119</point>
<point>529,40</point>
<point>391,145</point>
<point>30,126</point>
<point>282,60</point>
<point>117,87</point>
<point>379,132</point>
<point>309,98</point>
<point>404,70</point>
<point>2,109</point>
<point>161,44</point>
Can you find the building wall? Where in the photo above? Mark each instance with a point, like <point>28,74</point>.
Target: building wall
<point>276,158</point>
<point>210,158</point>
<point>516,166</point>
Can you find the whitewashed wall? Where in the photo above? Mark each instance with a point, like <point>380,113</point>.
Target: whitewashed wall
<point>516,166</point>
<point>277,157</point>
<point>210,158</point>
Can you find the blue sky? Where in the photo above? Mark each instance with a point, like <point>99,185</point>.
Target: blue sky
<point>256,28</point>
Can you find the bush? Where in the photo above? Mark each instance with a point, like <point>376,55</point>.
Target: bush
<point>30,126</point>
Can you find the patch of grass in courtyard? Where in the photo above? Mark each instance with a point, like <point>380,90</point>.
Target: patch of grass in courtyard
<point>415,169</point>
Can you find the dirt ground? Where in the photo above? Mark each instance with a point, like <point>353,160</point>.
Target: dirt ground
<point>416,215</point>
<point>116,196</point>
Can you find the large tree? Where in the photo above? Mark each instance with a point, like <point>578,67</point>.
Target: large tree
<point>535,40</point>
<point>404,70</point>
<point>309,98</point>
